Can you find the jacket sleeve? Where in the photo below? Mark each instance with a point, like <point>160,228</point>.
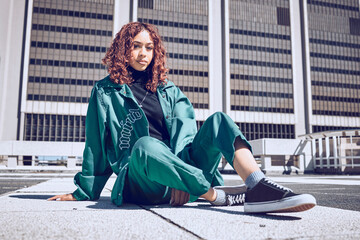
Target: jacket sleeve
<point>96,169</point>
<point>183,123</point>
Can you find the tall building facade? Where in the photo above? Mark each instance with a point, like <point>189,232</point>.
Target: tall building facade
<point>68,38</point>
<point>279,68</point>
<point>333,58</point>
<point>261,82</point>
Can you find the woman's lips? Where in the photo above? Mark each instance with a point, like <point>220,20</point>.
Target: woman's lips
<point>142,62</point>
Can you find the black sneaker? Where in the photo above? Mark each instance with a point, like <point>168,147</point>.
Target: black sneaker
<point>268,196</point>
<point>234,195</point>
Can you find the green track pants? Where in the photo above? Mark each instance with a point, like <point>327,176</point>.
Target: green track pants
<point>154,169</point>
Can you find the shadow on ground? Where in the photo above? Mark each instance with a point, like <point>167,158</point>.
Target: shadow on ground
<point>208,207</point>
<point>31,196</point>
<point>105,204</point>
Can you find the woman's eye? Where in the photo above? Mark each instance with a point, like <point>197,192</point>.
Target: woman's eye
<point>136,46</point>
<point>149,48</point>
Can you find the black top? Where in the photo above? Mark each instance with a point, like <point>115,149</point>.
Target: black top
<point>150,104</point>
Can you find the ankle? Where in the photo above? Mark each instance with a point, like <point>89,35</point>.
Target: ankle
<point>210,195</point>
<point>254,178</point>
<point>220,198</point>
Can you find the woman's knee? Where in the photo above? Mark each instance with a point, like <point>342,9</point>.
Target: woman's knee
<point>218,115</point>
<point>220,118</point>
<point>147,144</point>
<point>146,152</point>
<point>141,149</point>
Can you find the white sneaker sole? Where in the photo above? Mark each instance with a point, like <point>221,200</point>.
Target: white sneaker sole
<point>297,203</point>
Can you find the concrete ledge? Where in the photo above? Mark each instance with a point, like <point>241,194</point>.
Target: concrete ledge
<point>34,148</point>
<point>39,169</point>
<point>265,149</point>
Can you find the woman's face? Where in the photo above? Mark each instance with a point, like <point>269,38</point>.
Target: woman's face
<point>142,51</point>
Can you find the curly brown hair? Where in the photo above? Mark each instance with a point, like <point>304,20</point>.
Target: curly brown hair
<point>118,55</point>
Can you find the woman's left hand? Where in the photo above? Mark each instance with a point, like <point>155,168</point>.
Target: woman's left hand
<point>178,198</point>
<point>64,197</point>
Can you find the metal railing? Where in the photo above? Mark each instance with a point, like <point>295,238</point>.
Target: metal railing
<point>337,163</point>
<point>336,150</point>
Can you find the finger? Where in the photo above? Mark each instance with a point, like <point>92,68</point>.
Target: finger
<point>177,198</point>
<point>184,198</point>
<point>53,198</point>
<point>64,197</point>
<point>181,198</point>
<point>187,198</point>
<point>172,196</point>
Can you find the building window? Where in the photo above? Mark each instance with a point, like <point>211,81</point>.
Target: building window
<point>322,128</point>
<point>334,35</point>
<point>283,16</point>
<point>254,131</point>
<point>354,26</point>
<point>48,127</point>
<point>146,4</point>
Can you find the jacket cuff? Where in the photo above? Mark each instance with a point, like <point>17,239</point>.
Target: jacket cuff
<point>80,195</point>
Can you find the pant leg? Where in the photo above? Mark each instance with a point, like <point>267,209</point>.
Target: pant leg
<point>215,138</point>
<point>154,170</point>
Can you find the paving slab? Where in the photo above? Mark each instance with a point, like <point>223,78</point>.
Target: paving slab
<point>77,221</point>
<point>25,214</point>
<point>233,223</point>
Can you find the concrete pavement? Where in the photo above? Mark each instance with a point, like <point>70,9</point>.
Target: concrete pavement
<point>25,214</point>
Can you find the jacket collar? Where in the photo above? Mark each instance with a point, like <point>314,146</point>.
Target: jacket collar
<point>125,90</point>
<point>169,84</point>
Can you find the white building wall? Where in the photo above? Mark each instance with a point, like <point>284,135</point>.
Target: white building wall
<point>11,38</point>
<point>24,104</point>
<point>124,13</point>
<point>307,59</point>
<point>297,69</point>
<point>217,75</point>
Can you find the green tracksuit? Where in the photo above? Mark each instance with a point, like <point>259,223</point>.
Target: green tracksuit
<point>117,140</point>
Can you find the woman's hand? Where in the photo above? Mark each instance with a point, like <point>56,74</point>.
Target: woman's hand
<point>64,197</point>
<point>178,198</point>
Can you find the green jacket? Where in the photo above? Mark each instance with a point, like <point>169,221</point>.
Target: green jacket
<point>114,122</point>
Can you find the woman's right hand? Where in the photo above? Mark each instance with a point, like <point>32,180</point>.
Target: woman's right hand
<point>64,197</point>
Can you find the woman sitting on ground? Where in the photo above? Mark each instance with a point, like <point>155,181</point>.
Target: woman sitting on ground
<point>141,127</point>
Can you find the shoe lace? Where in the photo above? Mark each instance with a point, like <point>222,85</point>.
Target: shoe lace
<point>277,185</point>
<point>236,199</point>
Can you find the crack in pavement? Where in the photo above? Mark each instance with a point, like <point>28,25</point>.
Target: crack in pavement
<point>171,222</point>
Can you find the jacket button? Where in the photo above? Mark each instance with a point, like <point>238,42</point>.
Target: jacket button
<point>163,95</point>
<point>167,116</point>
